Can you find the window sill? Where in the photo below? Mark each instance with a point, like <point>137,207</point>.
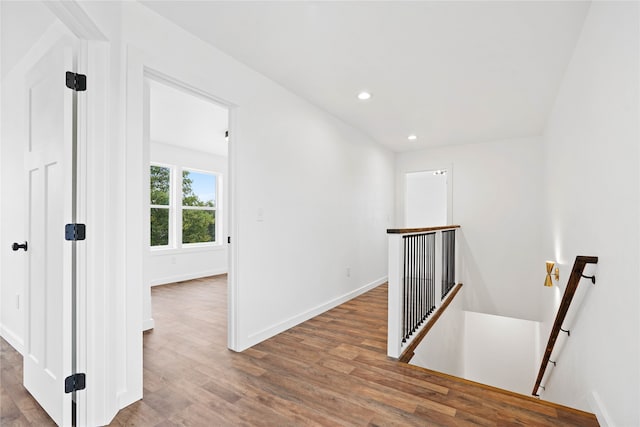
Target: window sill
<point>187,249</point>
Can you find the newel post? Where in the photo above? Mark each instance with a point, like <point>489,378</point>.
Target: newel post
<point>395,298</point>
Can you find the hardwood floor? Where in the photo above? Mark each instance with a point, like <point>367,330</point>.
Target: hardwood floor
<point>17,407</point>
<point>330,370</point>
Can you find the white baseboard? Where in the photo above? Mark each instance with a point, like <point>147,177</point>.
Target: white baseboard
<point>273,330</point>
<point>148,324</point>
<point>600,411</point>
<point>187,276</point>
<point>12,338</point>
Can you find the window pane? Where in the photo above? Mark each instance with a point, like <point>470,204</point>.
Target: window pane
<point>159,227</point>
<point>160,184</point>
<point>198,226</point>
<point>198,189</point>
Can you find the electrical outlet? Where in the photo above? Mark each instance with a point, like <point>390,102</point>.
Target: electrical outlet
<point>348,271</point>
<point>173,260</point>
<point>18,301</point>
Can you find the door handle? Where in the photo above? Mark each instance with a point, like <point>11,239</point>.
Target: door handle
<point>17,246</point>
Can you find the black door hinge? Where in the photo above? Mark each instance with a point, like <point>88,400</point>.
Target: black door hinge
<point>77,82</point>
<point>75,232</point>
<point>75,382</point>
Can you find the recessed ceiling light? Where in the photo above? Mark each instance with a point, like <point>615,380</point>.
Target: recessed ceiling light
<point>412,137</point>
<point>364,96</point>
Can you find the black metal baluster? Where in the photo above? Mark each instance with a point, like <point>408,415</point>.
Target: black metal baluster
<point>411,273</point>
<point>423,294</point>
<point>449,261</point>
<point>416,298</point>
<point>425,301</point>
<point>453,258</point>
<point>413,294</point>
<point>408,292</point>
<point>404,288</point>
<point>442,290</point>
<point>428,275</point>
<point>446,283</point>
<point>407,254</point>
<point>444,265</point>
<point>416,318</point>
<point>432,266</point>
<point>420,274</point>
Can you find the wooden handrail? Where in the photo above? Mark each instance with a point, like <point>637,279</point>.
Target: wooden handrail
<point>420,230</point>
<point>572,286</point>
<point>408,353</point>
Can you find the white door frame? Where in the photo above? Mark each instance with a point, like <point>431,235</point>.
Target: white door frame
<point>113,363</point>
<point>92,406</point>
<point>158,76</point>
<point>402,189</point>
<point>139,68</point>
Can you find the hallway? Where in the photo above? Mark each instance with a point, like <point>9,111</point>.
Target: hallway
<point>330,370</point>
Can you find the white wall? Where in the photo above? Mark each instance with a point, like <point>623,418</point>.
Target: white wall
<point>313,196</point>
<point>497,199</point>
<point>591,155</point>
<point>13,208</point>
<point>501,351</point>
<point>442,349</point>
<point>172,265</point>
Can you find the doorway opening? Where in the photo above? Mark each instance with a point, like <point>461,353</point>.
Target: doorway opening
<point>186,133</point>
<point>427,198</point>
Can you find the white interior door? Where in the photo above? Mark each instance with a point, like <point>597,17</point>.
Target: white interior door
<point>48,186</point>
<point>426,199</point>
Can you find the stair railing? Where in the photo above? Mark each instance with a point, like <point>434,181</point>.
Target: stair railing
<point>422,272</point>
<point>577,273</point>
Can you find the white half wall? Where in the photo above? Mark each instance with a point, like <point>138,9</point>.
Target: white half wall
<point>442,349</point>
<point>501,351</point>
<point>591,149</point>
<point>497,199</point>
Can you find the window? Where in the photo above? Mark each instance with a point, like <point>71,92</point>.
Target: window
<point>198,207</point>
<point>186,216</point>
<point>160,178</point>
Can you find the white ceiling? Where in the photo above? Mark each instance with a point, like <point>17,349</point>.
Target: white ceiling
<point>450,72</point>
<point>186,120</point>
<point>22,24</point>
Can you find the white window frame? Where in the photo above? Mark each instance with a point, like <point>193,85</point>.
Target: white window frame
<point>171,207</point>
<point>215,209</point>
<point>175,209</point>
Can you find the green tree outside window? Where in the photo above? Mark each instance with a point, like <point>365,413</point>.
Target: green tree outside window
<point>160,178</point>
<point>198,207</point>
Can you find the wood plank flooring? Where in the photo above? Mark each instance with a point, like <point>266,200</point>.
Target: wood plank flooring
<point>330,370</point>
<point>17,407</point>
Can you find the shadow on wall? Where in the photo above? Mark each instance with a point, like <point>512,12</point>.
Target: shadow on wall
<point>477,293</point>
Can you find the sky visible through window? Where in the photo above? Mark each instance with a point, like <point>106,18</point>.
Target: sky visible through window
<point>204,186</point>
